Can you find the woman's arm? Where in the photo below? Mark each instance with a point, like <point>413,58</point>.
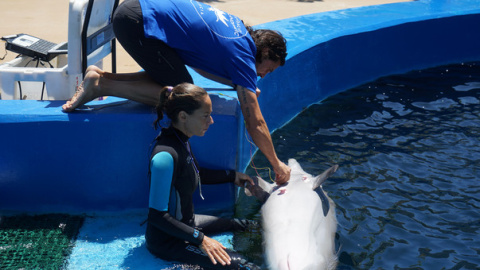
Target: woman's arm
<point>210,176</point>
<point>161,181</point>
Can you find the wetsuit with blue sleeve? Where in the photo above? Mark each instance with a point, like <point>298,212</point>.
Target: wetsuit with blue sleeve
<point>174,232</point>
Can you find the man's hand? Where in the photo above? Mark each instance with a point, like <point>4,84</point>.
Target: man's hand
<point>215,251</point>
<point>257,92</point>
<point>282,173</point>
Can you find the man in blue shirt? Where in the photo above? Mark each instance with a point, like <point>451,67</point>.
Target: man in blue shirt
<point>165,36</point>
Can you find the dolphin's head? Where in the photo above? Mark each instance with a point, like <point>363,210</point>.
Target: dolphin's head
<point>298,173</point>
<point>299,223</point>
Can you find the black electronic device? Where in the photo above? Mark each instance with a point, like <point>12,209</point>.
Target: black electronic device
<point>34,47</point>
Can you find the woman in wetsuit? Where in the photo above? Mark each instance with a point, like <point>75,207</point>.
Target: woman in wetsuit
<point>174,232</point>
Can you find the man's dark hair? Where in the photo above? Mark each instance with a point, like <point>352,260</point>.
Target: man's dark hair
<point>271,40</point>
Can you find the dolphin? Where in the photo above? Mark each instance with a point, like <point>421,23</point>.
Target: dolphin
<point>298,219</point>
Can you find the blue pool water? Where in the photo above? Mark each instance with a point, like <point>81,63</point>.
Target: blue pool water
<point>408,187</point>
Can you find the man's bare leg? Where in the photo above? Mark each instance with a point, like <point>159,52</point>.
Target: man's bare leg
<point>134,86</point>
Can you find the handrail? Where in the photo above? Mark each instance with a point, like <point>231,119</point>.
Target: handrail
<point>98,39</point>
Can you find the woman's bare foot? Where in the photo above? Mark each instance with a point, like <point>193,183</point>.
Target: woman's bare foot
<point>86,91</point>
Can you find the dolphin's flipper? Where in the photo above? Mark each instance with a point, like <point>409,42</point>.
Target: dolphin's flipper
<point>319,180</point>
<point>323,198</point>
<point>317,187</point>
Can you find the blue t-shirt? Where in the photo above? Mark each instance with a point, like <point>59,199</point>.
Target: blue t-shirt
<point>204,37</point>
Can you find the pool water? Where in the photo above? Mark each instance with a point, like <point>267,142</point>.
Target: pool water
<point>408,187</point>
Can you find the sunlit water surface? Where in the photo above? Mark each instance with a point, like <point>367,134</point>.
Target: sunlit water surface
<point>408,188</point>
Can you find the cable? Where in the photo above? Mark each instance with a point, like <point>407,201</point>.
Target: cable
<point>39,62</point>
<point>5,55</point>
<point>43,90</point>
<point>20,85</point>
<point>252,164</point>
<point>20,89</point>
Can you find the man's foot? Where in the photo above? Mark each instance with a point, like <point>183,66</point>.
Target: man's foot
<point>86,91</point>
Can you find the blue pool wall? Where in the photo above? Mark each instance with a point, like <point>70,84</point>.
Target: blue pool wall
<point>335,51</point>
<point>98,160</point>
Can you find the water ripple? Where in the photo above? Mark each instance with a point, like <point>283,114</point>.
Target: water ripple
<point>408,146</point>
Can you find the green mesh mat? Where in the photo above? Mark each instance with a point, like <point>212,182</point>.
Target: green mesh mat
<point>37,242</point>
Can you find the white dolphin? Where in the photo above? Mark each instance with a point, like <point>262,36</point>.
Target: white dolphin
<point>299,222</point>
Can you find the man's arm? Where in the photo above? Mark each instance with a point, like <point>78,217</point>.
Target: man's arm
<point>258,130</point>
<point>256,125</point>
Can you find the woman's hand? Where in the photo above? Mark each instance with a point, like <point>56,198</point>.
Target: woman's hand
<point>241,178</point>
<point>215,251</point>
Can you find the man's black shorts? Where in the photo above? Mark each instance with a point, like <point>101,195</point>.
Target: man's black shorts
<point>159,60</point>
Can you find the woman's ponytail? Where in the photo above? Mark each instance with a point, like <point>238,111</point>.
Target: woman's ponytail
<point>160,108</point>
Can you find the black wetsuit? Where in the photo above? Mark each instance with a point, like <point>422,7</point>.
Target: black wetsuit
<point>174,232</point>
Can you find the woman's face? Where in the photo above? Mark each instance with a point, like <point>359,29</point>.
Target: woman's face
<point>198,122</point>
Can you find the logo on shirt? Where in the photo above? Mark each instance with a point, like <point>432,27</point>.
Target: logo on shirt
<point>220,15</point>
<point>221,23</point>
